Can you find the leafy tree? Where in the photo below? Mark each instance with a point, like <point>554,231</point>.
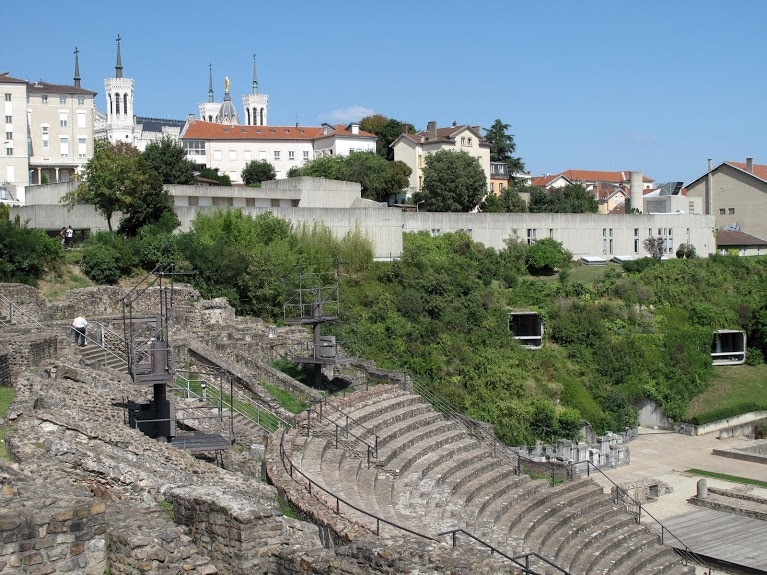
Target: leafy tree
<point>387,130</point>
<point>571,199</point>
<point>686,251</point>
<point>545,256</point>
<point>118,179</point>
<point>257,171</point>
<point>655,246</point>
<point>502,147</point>
<point>212,174</point>
<point>168,158</point>
<point>27,254</point>
<point>509,201</point>
<point>379,179</point>
<point>452,182</point>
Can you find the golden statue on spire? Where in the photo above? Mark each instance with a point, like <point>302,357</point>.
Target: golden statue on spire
<point>227,83</point>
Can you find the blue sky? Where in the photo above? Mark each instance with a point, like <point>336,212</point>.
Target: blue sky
<point>657,86</point>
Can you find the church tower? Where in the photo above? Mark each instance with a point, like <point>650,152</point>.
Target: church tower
<point>209,110</point>
<point>119,104</point>
<point>255,105</point>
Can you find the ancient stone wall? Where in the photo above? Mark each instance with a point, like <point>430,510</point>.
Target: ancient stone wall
<point>42,532</point>
<point>5,367</point>
<point>25,348</point>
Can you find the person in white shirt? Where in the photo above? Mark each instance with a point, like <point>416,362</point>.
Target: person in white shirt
<point>79,325</point>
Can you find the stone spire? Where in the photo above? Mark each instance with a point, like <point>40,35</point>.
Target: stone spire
<point>255,80</point>
<point>119,66</point>
<point>210,85</point>
<point>77,68</point>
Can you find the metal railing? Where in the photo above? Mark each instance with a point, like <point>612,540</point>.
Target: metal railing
<point>636,507</point>
<point>522,560</point>
<point>290,468</point>
<point>15,311</point>
<point>371,451</point>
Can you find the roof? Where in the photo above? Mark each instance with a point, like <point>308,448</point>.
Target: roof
<point>443,135</point>
<point>157,124</point>
<point>600,176</point>
<point>734,238</point>
<point>544,181</point>
<point>757,171</point>
<point>198,130</point>
<point>41,87</point>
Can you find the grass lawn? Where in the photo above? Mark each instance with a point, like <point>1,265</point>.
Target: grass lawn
<point>724,477</point>
<point>731,385</point>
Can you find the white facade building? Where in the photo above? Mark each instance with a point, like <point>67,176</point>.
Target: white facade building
<point>230,148</point>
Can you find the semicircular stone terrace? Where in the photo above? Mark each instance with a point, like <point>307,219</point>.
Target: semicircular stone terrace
<point>432,475</point>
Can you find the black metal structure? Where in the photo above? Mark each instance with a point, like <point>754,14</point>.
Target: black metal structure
<point>315,302</point>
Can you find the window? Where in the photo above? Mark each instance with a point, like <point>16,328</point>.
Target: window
<point>463,141</point>
<point>551,233</point>
<point>81,147</point>
<point>62,99</point>
<point>194,147</point>
<point>232,155</point>
<point>7,97</point>
<point>276,154</point>
<point>9,151</point>
<point>81,119</point>
<point>217,155</point>
<point>9,135</point>
<point>636,240</point>
<point>247,155</point>
<point>9,119</point>
<point>721,211</point>
<point>500,186</point>
<point>63,119</point>
<point>469,141</point>
<point>291,155</point>
<point>45,143</point>
<point>80,100</point>
<point>306,154</point>
<point>731,211</point>
<point>44,99</point>
<point>64,146</point>
<point>531,235</point>
<point>45,129</point>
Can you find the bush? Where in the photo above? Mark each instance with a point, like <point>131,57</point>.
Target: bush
<point>760,429</point>
<point>754,357</point>
<point>27,254</point>
<point>101,264</point>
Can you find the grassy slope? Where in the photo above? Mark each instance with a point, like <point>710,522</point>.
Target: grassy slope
<point>731,385</point>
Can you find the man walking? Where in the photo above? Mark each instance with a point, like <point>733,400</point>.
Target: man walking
<point>80,325</point>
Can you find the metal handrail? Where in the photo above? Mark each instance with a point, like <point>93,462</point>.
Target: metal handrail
<point>350,422</point>
<point>290,467</point>
<point>686,553</point>
<point>14,309</point>
<point>372,450</point>
<point>515,559</point>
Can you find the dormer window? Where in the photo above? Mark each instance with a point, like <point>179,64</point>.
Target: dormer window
<point>44,99</point>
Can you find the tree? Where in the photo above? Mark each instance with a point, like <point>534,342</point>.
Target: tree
<point>379,178</point>
<point>571,199</point>
<point>212,174</point>
<point>655,246</point>
<point>257,171</point>
<point>545,256</point>
<point>27,253</point>
<point>168,158</point>
<point>387,130</point>
<point>686,251</point>
<point>508,201</point>
<point>118,179</point>
<point>452,182</point>
<point>502,147</point>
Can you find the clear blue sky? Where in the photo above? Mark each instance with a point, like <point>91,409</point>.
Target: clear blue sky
<point>657,86</point>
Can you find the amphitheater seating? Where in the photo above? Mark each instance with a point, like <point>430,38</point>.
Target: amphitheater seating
<point>431,475</point>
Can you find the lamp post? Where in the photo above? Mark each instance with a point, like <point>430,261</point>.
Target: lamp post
<point>418,204</point>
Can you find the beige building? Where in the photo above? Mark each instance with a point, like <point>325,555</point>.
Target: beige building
<point>413,148</point>
<point>735,193</point>
<point>48,130</point>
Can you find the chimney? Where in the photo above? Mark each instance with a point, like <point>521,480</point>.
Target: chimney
<point>296,124</point>
<point>432,129</point>
<point>750,165</point>
<point>709,187</point>
<point>636,192</point>
<point>403,128</point>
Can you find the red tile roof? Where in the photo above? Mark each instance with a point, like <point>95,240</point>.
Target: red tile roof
<point>600,176</point>
<point>543,181</point>
<point>199,130</point>
<point>759,170</point>
<point>737,238</point>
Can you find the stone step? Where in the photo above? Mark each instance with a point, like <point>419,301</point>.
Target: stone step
<point>414,433</point>
<point>481,516</point>
<point>587,531</point>
<point>663,560</point>
<point>444,456</point>
<point>623,556</point>
<point>543,504</point>
<point>362,414</point>
<point>602,553</point>
<point>433,444</point>
<point>546,521</point>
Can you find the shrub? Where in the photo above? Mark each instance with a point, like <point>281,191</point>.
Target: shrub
<point>754,356</point>
<point>101,264</point>
<point>760,429</point>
